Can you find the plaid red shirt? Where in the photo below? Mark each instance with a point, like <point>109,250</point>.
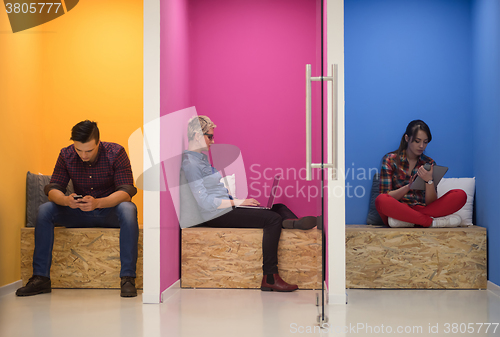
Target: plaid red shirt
<point>393,176</point>
<point>110,172</point>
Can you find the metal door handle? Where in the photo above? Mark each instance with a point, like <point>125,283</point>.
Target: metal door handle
<point>334,117</point>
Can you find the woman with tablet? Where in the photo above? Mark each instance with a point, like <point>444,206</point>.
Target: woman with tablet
<point>401,206</point>
<point>215,204</point>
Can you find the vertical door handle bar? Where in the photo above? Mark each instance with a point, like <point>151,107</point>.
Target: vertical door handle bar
<point>335,116</point>
<point>308,124</point>
<point>334,79</point>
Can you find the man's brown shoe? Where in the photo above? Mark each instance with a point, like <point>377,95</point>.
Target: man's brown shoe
<point>128,287</point>
<point>278,285</point>
<point>36,285</point>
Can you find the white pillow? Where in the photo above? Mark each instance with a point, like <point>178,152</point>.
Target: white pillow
<point>468,185</point>
<point>231,184</point>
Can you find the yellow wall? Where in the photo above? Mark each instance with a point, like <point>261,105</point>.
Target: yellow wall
<point>87,64</point>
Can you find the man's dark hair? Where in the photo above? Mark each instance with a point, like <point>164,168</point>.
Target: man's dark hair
<point>85,131</point>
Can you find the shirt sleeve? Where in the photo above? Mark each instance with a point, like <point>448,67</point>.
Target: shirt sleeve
<point>124,180</point>
<point>60,176</point>
<point>194,176</point>
<point>386,172</point>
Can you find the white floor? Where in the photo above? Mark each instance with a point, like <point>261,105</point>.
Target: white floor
<point>90,313</point>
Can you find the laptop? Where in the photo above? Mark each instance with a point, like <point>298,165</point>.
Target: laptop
<point>272,196</point>
<point>437,174</point>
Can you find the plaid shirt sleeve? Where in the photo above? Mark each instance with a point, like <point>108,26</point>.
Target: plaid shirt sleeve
<point>123,177</point>
<point>386,173</point>
<point>60,177</point>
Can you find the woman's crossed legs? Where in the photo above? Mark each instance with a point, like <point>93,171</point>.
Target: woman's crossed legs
<point>388,207</point>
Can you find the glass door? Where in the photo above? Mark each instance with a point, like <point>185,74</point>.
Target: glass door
<point>316,170</point>
<point>245,62</point>
<point>329,174</point>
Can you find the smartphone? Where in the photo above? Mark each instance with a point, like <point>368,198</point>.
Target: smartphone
<point>76,197</point>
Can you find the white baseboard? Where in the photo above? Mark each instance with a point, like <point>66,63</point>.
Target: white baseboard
<point>335,299</point>
<point>10,288</point>
<point>170,291</point>
<point>332,299</point>
<point>493,288</point>
<point>153,298</point>
<point>150,298</point>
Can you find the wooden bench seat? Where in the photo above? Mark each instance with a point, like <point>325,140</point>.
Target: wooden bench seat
<point>232,257</point>
<point>81,258</point>
<point>416,258</point>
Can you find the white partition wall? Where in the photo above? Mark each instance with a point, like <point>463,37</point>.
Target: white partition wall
<point>336,188</point>
<point>151,217</point>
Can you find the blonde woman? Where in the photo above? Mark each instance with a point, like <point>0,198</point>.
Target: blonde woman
<point>216,205</point>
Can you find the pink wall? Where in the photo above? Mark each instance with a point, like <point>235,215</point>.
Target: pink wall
<point>247,72</point>
<point>174,96</point>
<point>243,64</point>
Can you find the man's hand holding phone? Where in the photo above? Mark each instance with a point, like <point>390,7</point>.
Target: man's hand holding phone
<point>74,200</point>
<point>88,203</point>
<point>85,203</point>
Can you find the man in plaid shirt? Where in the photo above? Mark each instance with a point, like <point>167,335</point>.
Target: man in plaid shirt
<point>104,186</point>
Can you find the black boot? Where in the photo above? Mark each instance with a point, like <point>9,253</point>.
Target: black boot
<point>128,287</point>
<point>36,285</point>
<point>306,222</point>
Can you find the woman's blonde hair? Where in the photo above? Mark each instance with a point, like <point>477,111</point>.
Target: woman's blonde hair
<point>199,124</point>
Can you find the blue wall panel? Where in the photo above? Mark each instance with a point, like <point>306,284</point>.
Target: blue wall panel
<point>405,60</point>
<point>486,23</point>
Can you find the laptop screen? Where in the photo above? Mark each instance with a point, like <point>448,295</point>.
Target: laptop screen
<point>273,191</point>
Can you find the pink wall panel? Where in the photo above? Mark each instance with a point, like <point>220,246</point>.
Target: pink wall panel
<point>247,72</point>
<point>174,96</point>
<point>243,64</point>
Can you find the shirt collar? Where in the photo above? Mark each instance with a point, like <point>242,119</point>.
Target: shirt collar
<point>198,155</point>
<point>403,158</point>
<point>99,151</point>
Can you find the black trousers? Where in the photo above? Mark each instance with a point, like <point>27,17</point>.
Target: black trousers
<point>269,220</point>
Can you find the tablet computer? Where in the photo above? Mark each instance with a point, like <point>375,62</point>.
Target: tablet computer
<point>437,174</point>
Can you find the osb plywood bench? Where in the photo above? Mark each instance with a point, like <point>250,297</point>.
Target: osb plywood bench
<point>81,258</point>
<point>232,257</point>
<point>416,258</point>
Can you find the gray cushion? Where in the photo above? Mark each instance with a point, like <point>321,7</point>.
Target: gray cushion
<point>190,214</point>
<point>373,218</point>
<point>35,195</point>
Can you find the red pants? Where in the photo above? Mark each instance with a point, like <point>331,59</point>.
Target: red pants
<point>448,204</point>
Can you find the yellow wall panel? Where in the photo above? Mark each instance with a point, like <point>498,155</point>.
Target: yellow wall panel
<point>86,64</point>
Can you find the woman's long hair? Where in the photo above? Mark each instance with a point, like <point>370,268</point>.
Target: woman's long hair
<point>411,131</point>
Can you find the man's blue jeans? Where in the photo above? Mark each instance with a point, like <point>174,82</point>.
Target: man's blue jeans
<point>123,216</point>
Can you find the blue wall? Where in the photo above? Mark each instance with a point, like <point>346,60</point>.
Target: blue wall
<point>405,60</point>
<point>486,23</point>
<point>436,60</point>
